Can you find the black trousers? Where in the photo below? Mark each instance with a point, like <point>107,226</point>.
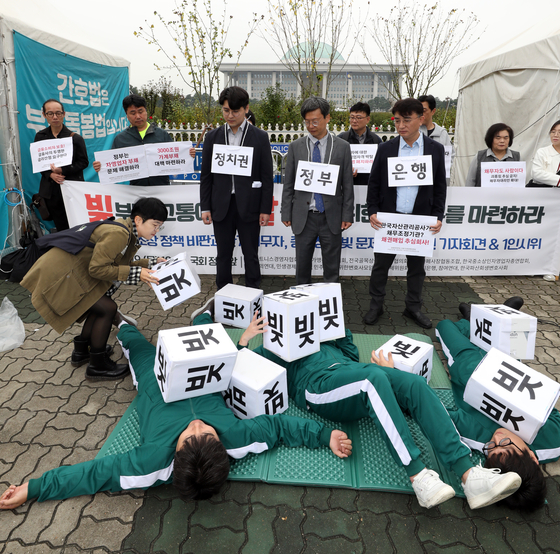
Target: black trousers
<point>414,280</point>
<point>248,231</point>
<point>55,204</point>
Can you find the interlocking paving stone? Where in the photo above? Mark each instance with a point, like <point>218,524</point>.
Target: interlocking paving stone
<point>223,514</point>
<point>317,497</point>
<point>121,506</point>
<point>373,530</point>
<point>175,526</point>
<point>446,530</point>
<point>520,537</point>
<point>491,534</point>
<point>146,526</point>
<point>216,541</point>
<point>287,528</point>
<point>64,521</point>
<point>382,502</point>
<point>238,491</point>
<point>402,531</point>
<point>271,495</point>
<point>344,498</point>
<point>259,532</point>
<point>340,545</point>
<point>92,534</point>
<point>331,523</point>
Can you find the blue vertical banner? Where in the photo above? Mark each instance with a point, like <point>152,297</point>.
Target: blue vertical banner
<point>91,94</point>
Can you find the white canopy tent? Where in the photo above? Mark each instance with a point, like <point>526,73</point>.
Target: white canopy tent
<point>519,87</point>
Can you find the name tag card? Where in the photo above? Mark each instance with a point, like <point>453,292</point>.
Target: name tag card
<point>169,158</point>
<point>232,160</point>
<point>405,234</point>
<point>192,361</point>
<point>511,394</point>
<point>257,387</point>
<point>53,151</point>
<point>331,314</point>
<point>235,305</point>
<point>410,171</point>
<point>122,164</point>
<point>511,331</point>
<point>178,281</point>
<point>410,355</point>
<point>448,157</point>
<point>315,177</point>
<point>293,324</point>
<point>503,174</point>
<point>363,156</point>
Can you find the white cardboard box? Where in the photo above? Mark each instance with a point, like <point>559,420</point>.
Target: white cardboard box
<point>410,355</point>
<point>192,361</point>
<point>258,386</point>
<point>511,394</point>
<point>511,331</point>
<point>178,281</point>
<point>293,324</point>
<point>331,314</point>
<point>235,305</point>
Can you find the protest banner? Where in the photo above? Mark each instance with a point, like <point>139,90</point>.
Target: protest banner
<point>503,174</point>
<point>405,234</point>
<point>55,151</point>
<point>363,156</point>
<point>169,158</point>
<point>122,164</point>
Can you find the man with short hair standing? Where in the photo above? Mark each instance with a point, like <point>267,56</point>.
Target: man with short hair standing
<point>236,203</point>
<point>313,215</point>
<point>360,133</point>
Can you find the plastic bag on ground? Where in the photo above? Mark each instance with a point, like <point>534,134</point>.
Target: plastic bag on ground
<point>12,331</point>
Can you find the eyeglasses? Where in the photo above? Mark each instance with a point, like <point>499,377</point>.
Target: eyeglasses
<point>555,133</point>
<point>157,227</point>
<point>51,114</point>
<point>235,113</point>
<point>404,120</point>
<point>357,117</point>
<point>504,442</point>
<point>314,123</point>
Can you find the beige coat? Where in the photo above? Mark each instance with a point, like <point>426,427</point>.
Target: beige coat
<point>63,286</point>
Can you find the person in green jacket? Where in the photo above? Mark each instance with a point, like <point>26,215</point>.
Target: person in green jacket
<point>504,449</point>
<point>335,385</point>
<point>188,442</point>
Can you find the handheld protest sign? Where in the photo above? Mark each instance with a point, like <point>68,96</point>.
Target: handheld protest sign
<point>316,177</point>
<point>331,314</point>
<point>293,324</point>
<point>235,305</point>
<point>511,331</point>
<point>410,355</point>
<point>178,281</point>
<point>192,361</point>
<point>258,386</point>
<point>511,394</point>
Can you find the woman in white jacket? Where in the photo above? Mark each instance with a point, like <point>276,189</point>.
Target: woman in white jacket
<point>546,164</point>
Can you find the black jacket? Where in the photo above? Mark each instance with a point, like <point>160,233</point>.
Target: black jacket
<point>351,137</point>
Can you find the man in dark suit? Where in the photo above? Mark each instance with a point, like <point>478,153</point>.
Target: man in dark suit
<point>318,215</point>
<point>417,200</point>
<point>237,203</point>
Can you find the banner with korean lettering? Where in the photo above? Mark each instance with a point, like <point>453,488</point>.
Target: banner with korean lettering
<point>484,232</point>
<point>90,93</point>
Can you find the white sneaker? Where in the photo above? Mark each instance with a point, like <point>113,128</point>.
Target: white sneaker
<point>208,306</point>
<point>430,489</point>
<point>486,486</point>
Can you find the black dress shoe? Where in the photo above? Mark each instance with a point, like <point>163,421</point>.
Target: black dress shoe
<point>465,310</point>
<point>419,318</point>
<point>373,315</point>
<point>514,302</point>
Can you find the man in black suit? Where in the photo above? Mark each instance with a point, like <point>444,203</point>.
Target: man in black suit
<point>417,200</point>
<point>237,203</point>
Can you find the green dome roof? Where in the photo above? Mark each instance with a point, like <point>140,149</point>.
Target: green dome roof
<point>323,52</point>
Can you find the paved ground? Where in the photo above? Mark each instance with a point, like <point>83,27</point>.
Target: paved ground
<point>49,415</point>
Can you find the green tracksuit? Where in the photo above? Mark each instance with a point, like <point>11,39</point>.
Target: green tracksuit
<point>151,463</point>
<point>477,429</point>
<point>336,386</point>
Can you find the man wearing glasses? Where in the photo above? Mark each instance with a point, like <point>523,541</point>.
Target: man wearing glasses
<point>503,448</point>
<point>417,200</point>
<point>313,215</point>
<point>237,203</point>
<point>359,133</point>
<point>140,132</point>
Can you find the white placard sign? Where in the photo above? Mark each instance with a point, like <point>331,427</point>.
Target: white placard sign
<point>503,174</point>
<point>169,158</point>
<point>410,171</point>
<point>235,305</point>
<point>316,177</point>
<point>258,386</point>
<point>405,234</point>
<point>178,281</point>
<point>412,356</point>
<point>192,361</point>
<point>122,164</point>
<point>53,151</point>
<point>363,156</point>
<point>232,160</point>
<point>448,159</point>
<point>511,331</point>
<point>511,394</point>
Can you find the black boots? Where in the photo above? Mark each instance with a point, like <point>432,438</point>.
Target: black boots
<point>80,354</point>
<point>102,368</point>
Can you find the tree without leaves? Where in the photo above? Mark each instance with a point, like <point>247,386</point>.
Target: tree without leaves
<point>419,44</point>
<point>198,48</point>
<point>300,28</point>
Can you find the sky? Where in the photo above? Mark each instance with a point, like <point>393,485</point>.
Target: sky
<point>109,25</point>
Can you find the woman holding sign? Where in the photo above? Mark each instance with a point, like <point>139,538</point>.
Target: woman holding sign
<point>498,139</point>
<point>69,287</point>
<point>49,188</point>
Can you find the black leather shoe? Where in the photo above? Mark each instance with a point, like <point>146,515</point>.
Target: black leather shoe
<point>80,354</point>
<point>465,310</point>
<point>373,315</point>
<point>419,318</point>
<point>102,368</point>
<point>514,302</point>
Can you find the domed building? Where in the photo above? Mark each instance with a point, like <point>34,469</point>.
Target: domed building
<point>356,81</point>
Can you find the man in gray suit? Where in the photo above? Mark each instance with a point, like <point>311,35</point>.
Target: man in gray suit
<point>313,215</point>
